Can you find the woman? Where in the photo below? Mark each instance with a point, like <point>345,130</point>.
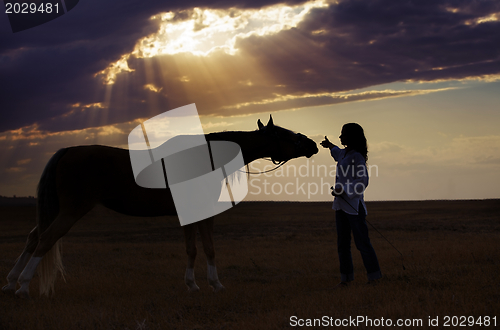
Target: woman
<point>350,184</point>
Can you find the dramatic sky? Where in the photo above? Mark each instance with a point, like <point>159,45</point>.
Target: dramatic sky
<point>421,76</point>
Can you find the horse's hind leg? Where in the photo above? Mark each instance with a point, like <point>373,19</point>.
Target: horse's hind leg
<point>59,227</point>
<point>206,228</point>
<point>21,262</point>
<point>190,237</point>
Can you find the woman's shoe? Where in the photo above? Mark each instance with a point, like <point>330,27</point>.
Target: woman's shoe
<point>342,285</point>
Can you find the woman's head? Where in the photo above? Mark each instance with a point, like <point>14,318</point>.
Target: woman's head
<point>353,137</point>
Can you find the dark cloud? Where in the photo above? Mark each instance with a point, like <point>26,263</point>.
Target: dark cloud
<point>357,44</point>
<point>347,46</point>
<point>47,68</point>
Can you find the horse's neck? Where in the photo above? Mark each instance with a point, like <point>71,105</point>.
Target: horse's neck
<point>253,145</point>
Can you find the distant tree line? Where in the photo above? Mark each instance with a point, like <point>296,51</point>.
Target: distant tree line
<point>14,200</point>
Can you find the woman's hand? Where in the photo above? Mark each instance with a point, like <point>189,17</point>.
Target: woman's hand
<point>337,191</point>
<point>327,144</point>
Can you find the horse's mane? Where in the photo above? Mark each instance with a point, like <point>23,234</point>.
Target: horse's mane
<point>221,134</point>
<point>263,130</point>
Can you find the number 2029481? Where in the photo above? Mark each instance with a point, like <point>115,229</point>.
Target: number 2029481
<point>31,8</point>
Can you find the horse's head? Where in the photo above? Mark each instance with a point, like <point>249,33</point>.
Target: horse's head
<point>285,144</point>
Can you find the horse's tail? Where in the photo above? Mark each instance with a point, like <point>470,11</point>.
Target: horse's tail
<point>47,211</point>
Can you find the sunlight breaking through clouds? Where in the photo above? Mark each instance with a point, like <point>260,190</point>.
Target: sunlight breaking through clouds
<point>202,31</point>
<point>115,68</point>
<point>495,17</point>
<point>153,88</point>
<point>308,100</point>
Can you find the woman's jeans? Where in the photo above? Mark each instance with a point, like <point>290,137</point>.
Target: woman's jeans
<point>357,224</point>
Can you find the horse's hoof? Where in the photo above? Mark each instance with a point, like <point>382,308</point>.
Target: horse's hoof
<point>22,294</point>
<point>193,288</point>
<point>9,289</point>
<point>219,288</point>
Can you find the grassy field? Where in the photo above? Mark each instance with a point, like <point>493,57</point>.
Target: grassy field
<point>276,260</point>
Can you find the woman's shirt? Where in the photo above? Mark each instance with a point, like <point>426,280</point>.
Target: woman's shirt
<point>352,176</point>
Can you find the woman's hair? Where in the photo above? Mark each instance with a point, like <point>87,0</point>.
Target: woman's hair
<point>354,138</point>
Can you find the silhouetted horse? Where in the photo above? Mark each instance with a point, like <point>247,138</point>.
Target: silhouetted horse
<point>77,178</point>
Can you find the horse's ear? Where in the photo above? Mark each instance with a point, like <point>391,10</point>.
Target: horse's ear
<point>259,123</point>
<point>270,122</point>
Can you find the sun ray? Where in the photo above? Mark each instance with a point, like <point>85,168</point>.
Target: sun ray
<point>204,31</point>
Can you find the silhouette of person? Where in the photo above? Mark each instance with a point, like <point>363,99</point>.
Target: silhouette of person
<point>349,205</point>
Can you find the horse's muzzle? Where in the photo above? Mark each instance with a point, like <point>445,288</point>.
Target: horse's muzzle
<point>312,149</point>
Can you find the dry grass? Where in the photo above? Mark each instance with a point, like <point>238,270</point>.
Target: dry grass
<point>275,259</point>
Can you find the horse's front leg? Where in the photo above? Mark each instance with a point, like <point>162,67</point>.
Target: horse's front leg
<point>190,237</point>
<point>206,228</point>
